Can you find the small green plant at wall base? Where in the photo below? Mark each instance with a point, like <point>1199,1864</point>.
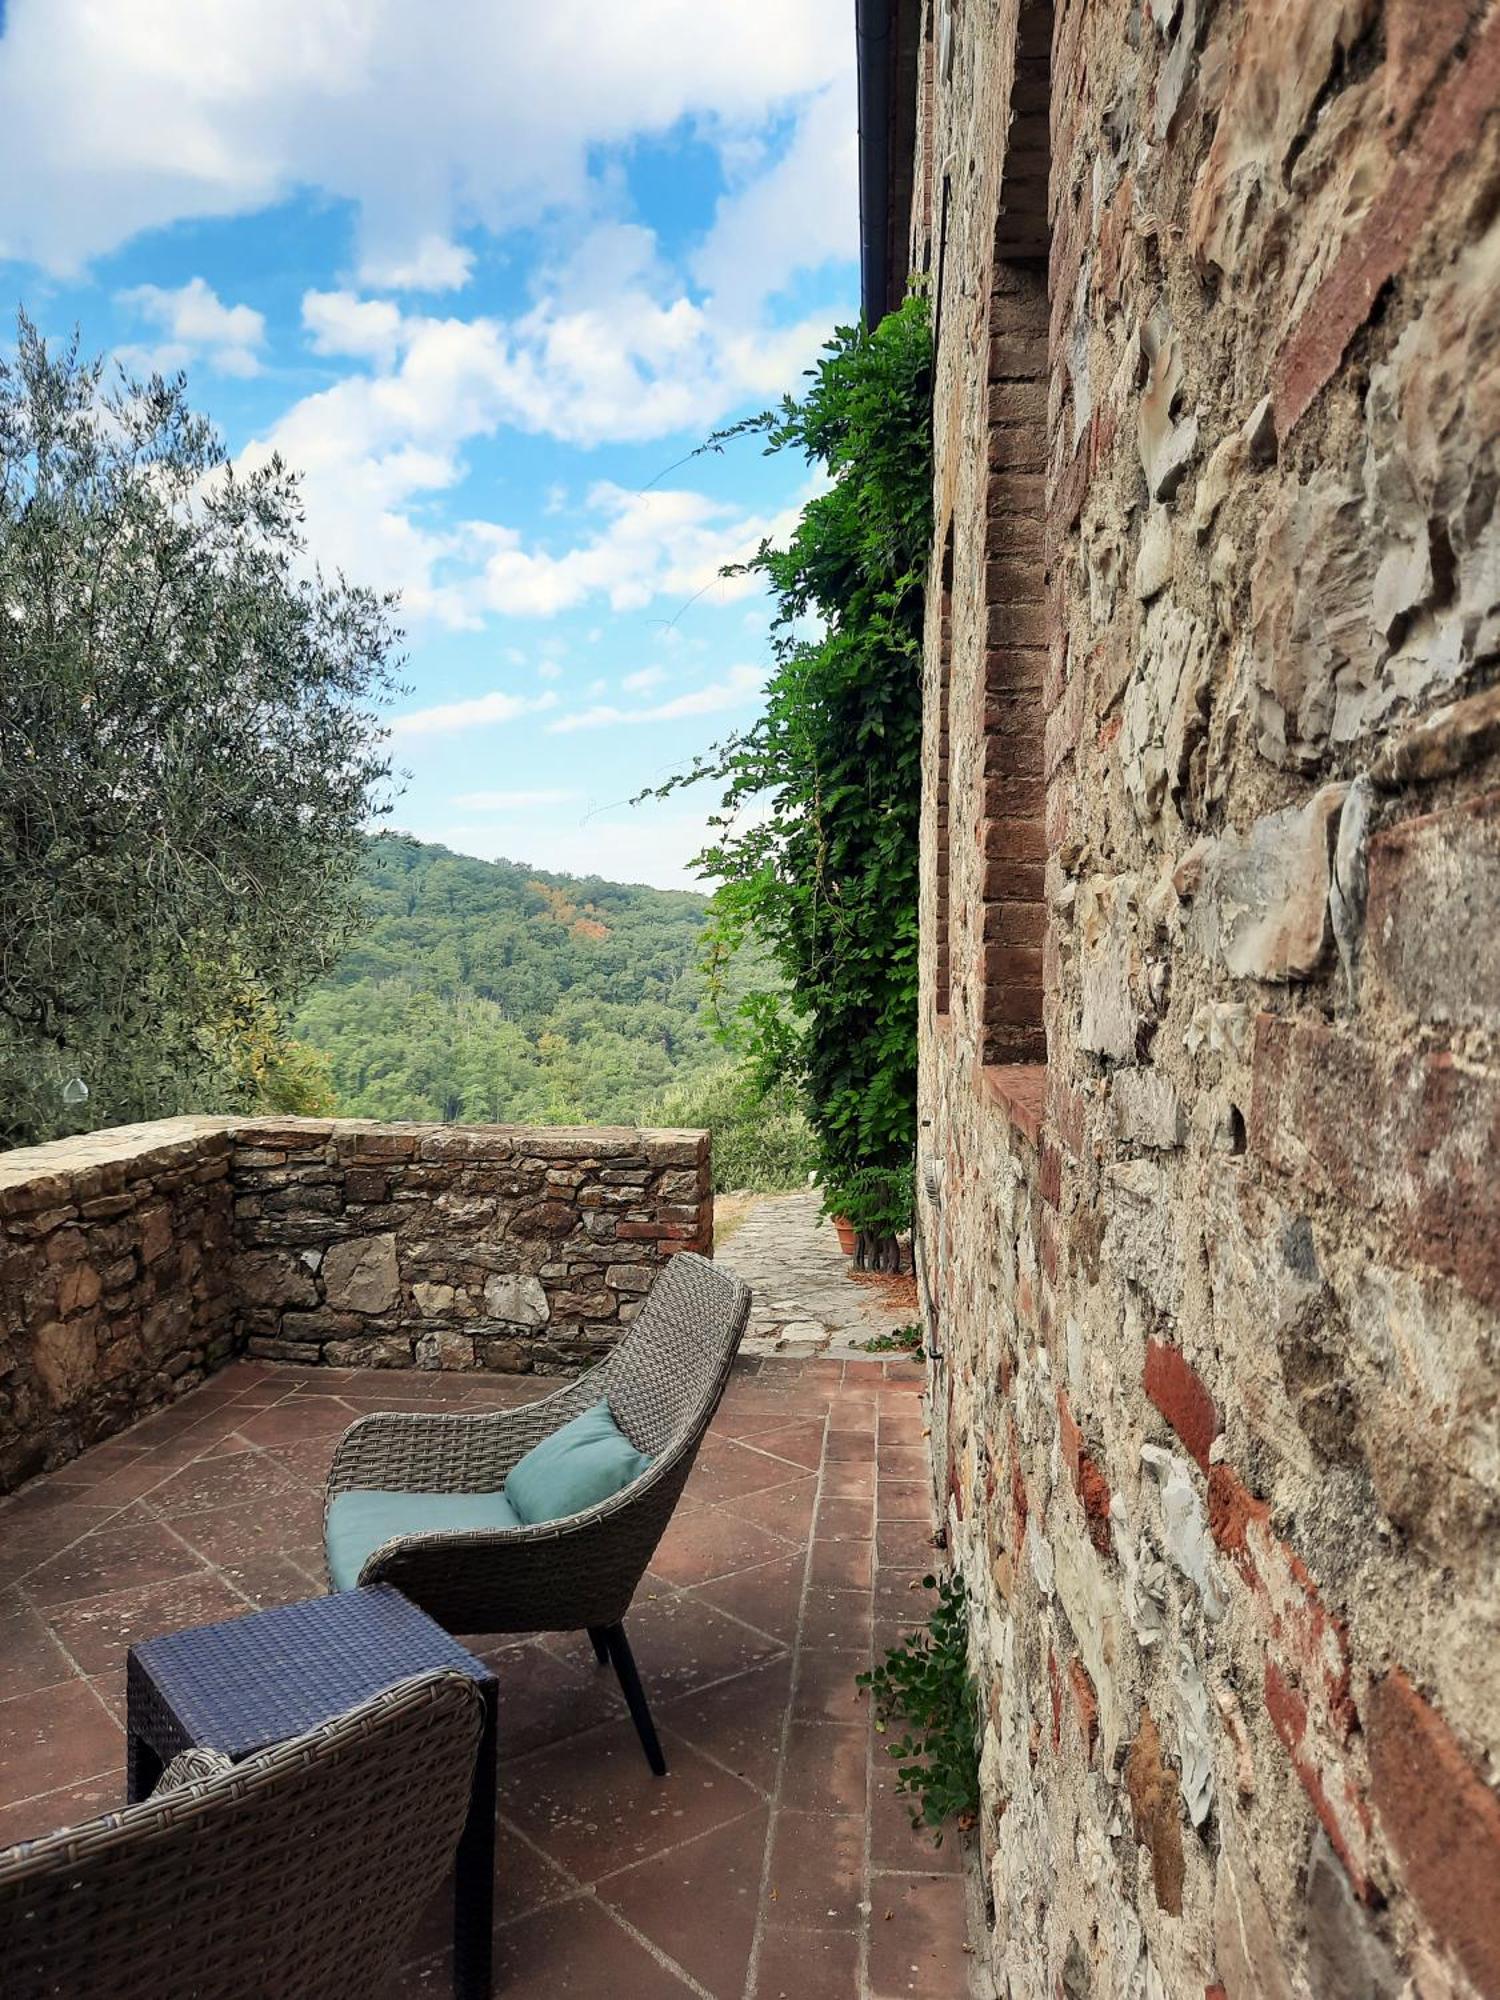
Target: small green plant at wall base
<point>900,1340</point>
<point>924,1682</point>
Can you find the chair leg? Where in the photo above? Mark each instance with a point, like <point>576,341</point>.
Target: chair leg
<point>623,1661</point>
<point>600,1644</point>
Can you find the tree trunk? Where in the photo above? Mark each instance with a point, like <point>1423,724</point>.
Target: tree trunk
<point>877,1253</point>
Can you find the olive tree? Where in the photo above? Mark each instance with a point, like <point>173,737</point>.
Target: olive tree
<point>190,749</point>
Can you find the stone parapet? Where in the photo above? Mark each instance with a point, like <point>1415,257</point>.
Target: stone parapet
<point>134,1261</point>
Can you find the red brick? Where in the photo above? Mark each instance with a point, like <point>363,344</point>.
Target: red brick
<point>1392,225</point>
<point>1335,1800</point>
<point>1407,1136</point>
<point>1085,1705</point>
<point>1177,1390</point>
<point>1443,1822</point>
<point>1013,839</point>
<point>1049,1180</point>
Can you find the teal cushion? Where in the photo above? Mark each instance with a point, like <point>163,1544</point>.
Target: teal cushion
<point>359,1521</point>
<point>578,1467</point>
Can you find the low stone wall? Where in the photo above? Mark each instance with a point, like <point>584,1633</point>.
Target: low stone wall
<point>115,1289</point>
<point>134,1261</point>
<point>500,1247</point>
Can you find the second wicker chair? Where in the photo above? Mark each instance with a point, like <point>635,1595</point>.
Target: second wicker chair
<point>662,1382</point>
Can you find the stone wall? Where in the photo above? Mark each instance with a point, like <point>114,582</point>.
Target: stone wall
<point>114,1283</point>
<point>504,1247</point>
<point>134,1261</point>
<point>1217,1283</point>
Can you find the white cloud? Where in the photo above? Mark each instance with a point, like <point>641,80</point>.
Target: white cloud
<point>643,680</point>
<point>798,214</point>
<point>665,542</point>
<point>450,716</point>
<point>196,324</point>
<point>428,120</point>
<point>640,844</point>
<point>738,687</point>
<point>434,265</point>
<point>340,323</point>
<point>548,670</point>
<point>511,801</point>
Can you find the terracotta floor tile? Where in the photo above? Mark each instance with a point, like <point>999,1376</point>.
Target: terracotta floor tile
<point>543,1699</point>
<point>845,1520</point>
<point>785,1510</point>
<point>849,1480</point>
<point>905,1501</point>
<point>905,1545</point>
<point>894,1841</point>
<point>699,1547</point>
<point>817,1869</point>
<point>71,1806</point>
<point>31,1536</point>
<point>917,1937</point>
<point>725,1470</point>
<point>58,1736</point>
<point>97,1631</point>
<point>841,1565</point>
<point>826,1767</point>
<point>592,1805</point>
<point>139,1551</point>
<point>680,1642</point>
<point>798,1444</point>
<point>856,1446</point>
<point>836,1620</point>
<point>576,1951</point>
<point>768,1596</point>
<point>809,1965</point>
<point>30,1658</point>
<point>289,1422</point>
<point>232,1480</point>
<point>904,1463</point>
<point>825,1690</point>
<point>708,1935</point>
<point>739,1723</point>
<point>252,1479</point>
<point>228,1535</point>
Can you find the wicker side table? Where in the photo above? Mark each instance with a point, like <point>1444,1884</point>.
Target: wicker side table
<point>250,1682</point>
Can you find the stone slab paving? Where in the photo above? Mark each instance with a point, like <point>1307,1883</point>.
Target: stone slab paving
<point>775,1862</point>
<point>806,1301</point>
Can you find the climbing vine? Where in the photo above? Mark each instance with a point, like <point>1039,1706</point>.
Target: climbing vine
<point>815,843</point>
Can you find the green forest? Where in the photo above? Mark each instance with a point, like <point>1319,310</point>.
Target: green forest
<point>488,992</point>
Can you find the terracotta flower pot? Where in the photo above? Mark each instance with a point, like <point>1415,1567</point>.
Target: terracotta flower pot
<point>846,1232</point>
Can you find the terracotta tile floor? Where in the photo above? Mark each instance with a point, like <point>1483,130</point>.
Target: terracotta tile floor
<point>775,1862</point>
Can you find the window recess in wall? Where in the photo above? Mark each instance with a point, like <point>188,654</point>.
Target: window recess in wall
<point>1013,909</point>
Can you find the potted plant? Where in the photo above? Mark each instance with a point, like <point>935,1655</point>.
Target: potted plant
<point>848,1234</point>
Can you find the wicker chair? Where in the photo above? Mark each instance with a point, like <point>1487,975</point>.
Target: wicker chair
<point>663,1383</point>
<point>305,1870</point>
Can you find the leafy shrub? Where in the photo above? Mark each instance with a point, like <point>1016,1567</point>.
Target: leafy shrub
<point>761,1140</point>
<point>925,1682</point>
<point>816,848</point>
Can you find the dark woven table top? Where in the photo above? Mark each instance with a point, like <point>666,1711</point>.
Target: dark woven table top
<point>250,1682</point>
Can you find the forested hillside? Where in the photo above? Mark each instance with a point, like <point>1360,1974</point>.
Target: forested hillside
<point>487,991</point>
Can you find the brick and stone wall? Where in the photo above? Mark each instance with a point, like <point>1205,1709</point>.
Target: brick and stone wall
<point>503,1247</point>
<point>114,1283</point>
<point>1216,1273</point>
<point>134,1261</point>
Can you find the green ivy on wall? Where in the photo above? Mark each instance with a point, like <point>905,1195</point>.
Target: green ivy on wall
<point>816,840</point>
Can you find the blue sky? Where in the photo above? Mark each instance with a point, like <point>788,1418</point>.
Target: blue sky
<point>484,272</point>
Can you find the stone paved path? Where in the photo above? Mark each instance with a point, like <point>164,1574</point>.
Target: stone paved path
<point>806,1301</point>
